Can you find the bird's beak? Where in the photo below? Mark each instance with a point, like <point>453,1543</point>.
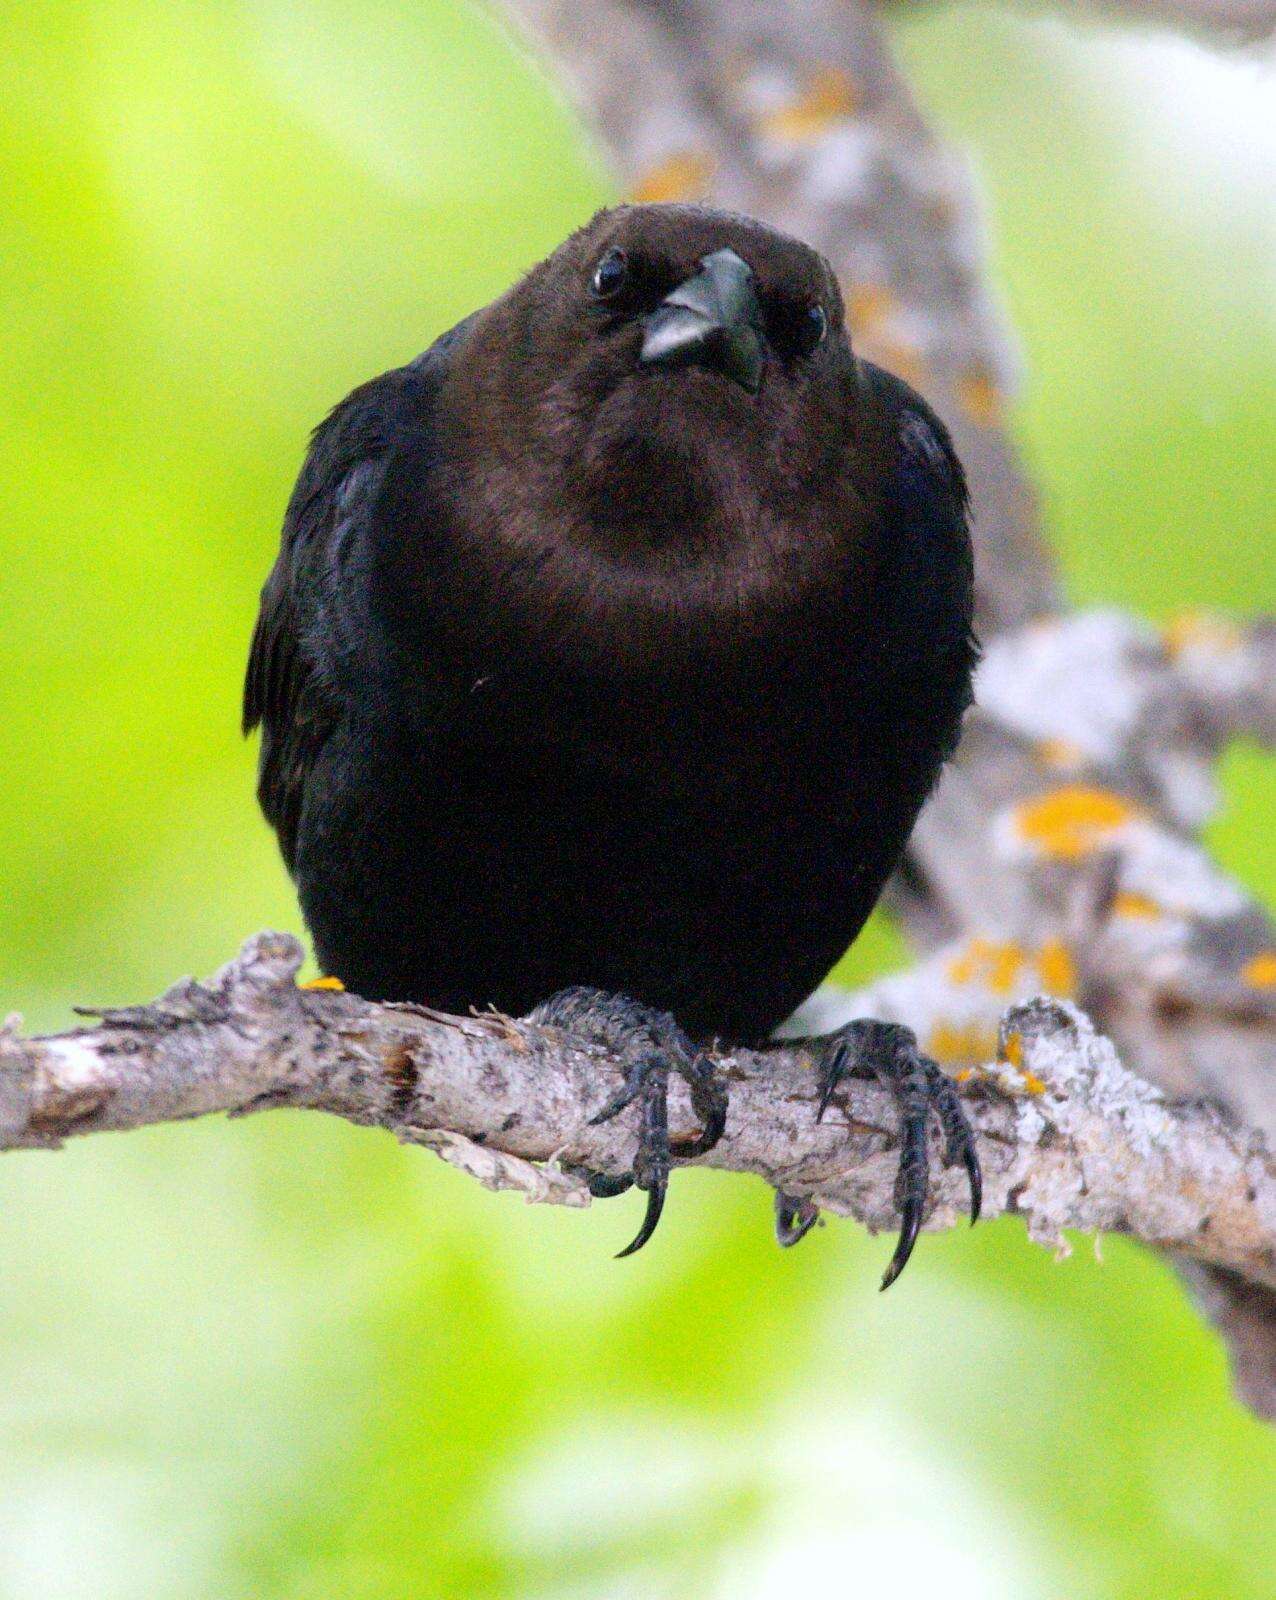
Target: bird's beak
<point>712,319</point>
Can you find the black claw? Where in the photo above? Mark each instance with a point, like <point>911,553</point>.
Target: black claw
<point>604,1187</point>
<point>652,1045</point>
<point>651,1169</point>
<point>911,1188</point>
<point>794,1218</point>
<point>971,1163</point>
<point>709,1100</point>
<point>959,1141</point>
<point>890,1055</point>
<point>655,1205</point>
<point>912,1226</point>
<point>832,1071</point>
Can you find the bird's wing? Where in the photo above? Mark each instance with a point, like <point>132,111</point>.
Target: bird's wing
<point>311,619</point>
<point>926,519</point>
<point>928,477</point>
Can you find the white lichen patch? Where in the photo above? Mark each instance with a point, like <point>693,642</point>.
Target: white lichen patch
<point>73,1064</point>
<point>1069,681</point>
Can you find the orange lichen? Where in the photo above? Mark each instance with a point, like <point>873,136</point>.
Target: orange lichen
<point>897,356</point>
<point>1070,823</point>
<point>1126,903</point>
<point>828,97</point>
<point>965,1042</point>
<point>1060,753</point>
<point>1012,1055</point>
<point>1004,967</point>
<point>1260,971</point>
<point>962,968</point>
<point>1057,968</point>
<point>684,175</point>
<point>980,397</point>
<point>992,963</point>
<point>335,984</point>
<point>1001,966</point>
<point>1197,629</point>
<point>869,304</point>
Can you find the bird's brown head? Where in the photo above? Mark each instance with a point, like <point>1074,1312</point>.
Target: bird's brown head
<point>686,369</point>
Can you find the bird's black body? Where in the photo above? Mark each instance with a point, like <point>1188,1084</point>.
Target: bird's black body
<point>579,667</point>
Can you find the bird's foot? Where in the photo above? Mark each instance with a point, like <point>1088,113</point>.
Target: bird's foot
<point>651,1045</point>
<point>889,1054</point>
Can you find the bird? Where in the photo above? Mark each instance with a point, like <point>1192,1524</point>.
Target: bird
<point>611,650</point>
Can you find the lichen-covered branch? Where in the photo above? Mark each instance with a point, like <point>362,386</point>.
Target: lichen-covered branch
<point>1058,855</point>
<point>1068,1138</point>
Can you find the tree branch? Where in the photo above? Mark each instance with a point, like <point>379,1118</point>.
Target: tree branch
<point>1068,1138</point>
<point>1234,21</point>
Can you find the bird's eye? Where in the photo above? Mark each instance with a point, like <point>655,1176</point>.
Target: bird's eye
<point>812,326</point>
<point>610,274</point>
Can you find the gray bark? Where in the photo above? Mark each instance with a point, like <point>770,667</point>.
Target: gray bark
<point>1068,1137</point>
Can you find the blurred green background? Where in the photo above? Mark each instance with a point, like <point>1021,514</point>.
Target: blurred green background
<point>285,1358</point>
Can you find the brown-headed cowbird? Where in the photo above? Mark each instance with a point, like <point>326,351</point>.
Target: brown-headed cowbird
<point>611,651</point>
